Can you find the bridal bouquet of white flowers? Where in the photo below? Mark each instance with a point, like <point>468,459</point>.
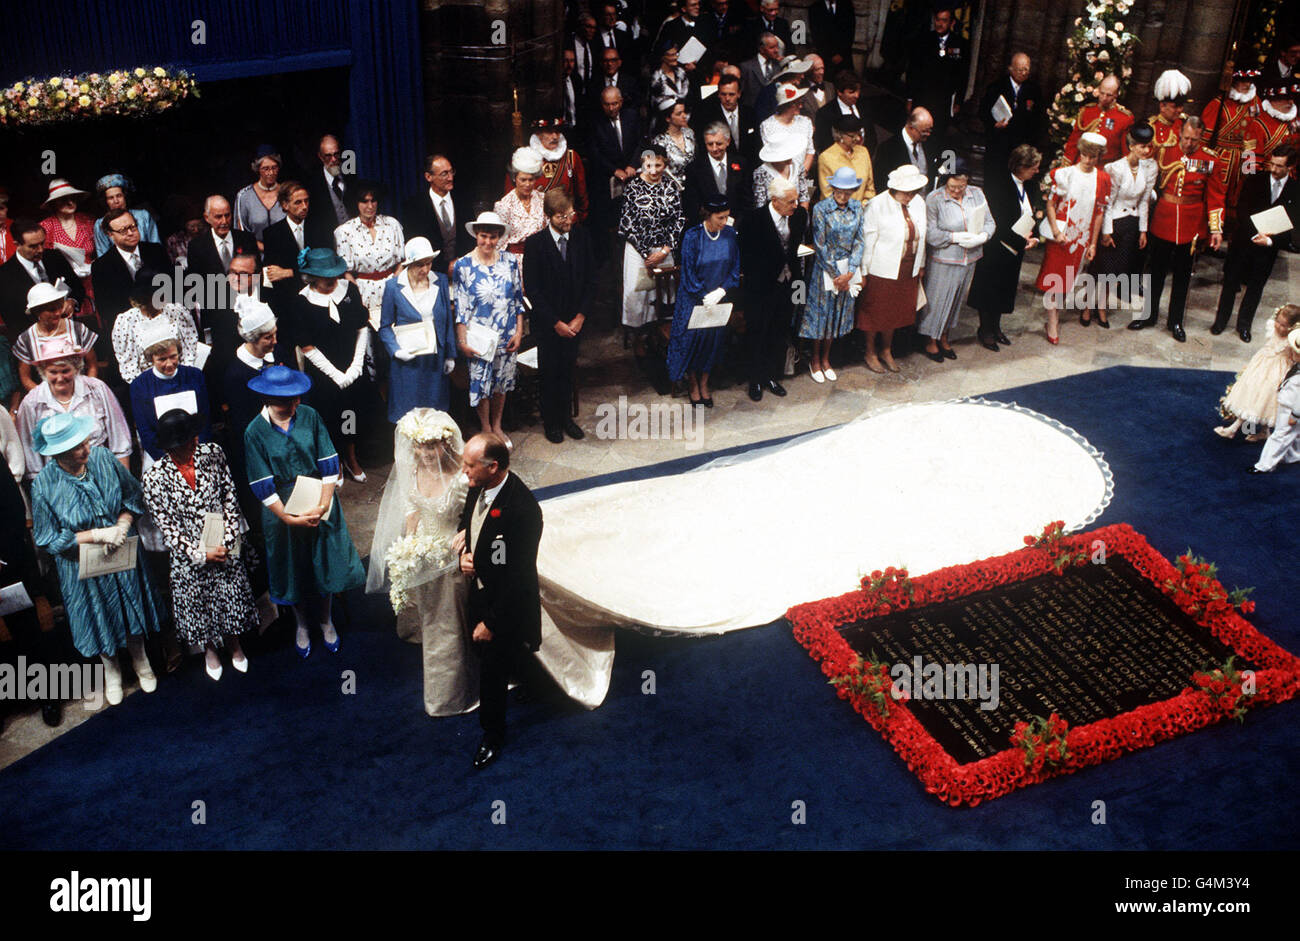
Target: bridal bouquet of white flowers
<point>410,560</point>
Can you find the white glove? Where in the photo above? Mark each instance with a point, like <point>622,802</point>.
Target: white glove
<point>358,359</point>
<point>317,359</point>
<point>104,536</point>
<point>962,238</point>
<point>404,356</point>
<point>121,529</point>
<point>978,239</point>
<point>448,367</point>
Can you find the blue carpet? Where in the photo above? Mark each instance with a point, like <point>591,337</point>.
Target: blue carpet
<point>740,727</point>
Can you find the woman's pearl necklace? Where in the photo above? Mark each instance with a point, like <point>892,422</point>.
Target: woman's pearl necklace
<point>712,235</point>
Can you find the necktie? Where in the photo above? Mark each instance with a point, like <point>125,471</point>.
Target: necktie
<point>225,253</point>
<point>767,71</point>
<point>476,519</point>
<point>735,131</point>
<point>40,272</point>
<point>618,134</point>
<point>133,260</point>
<point>916,156</point>
<point>444,220</point>
<point>297,235</point>
<point>564,247</point>
<point>720,170</point>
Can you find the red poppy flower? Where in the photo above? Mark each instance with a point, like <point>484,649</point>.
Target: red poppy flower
<point>494,513</point>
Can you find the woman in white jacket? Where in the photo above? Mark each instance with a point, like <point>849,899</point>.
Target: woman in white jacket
<point>893,260</point>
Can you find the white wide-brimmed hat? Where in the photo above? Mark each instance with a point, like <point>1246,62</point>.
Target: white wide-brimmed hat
<point>418,249</point>
<point>792,65</point>
<point>485,219</point>
<point>59,187</point>
<point>526,160</point>
<point>906,179</point>
<point>46,293</point>
<point>786,93</point>
<point>784,149</point>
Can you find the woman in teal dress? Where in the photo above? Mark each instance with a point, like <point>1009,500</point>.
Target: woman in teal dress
<point>710,260</point>
<point>84,496</point>
<point>837,237</point>
<point>309,557</point>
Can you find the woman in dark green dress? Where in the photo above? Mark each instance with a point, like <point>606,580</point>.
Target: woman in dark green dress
<point>309,556</point>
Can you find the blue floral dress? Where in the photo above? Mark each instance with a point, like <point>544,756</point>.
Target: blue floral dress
<point>708,262</point>
<point>493,296</point>
<point>837,234</point>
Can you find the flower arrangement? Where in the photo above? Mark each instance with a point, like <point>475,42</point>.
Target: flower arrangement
<point>1098,45</point>
<point>1228,687</point>
<point>1043,742</point>
<point>1062,551</point>
<point>427,427</point>
<point>815,627</point>
<point>868,678</point>
<point>122,93</point>
<point>1197,591</point>
<point>410,557</point>
<point>890,590</point>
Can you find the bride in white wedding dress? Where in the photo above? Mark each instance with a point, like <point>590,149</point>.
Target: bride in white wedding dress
<point>418,515</point>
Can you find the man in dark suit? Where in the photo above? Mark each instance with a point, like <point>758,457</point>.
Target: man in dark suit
<point>282,242</point>
<point>725,108</point>
<point>757,73</point>
<point>611,34</point>
<point>113,273</point>
<point>586,50</point>
<point>211,252</point>
<point>30,264</point>
<point>832,27</point>
<point>729,22</point>
<point>613,74</point>
<point>332,199</point>
<point>575,102</point>
<point>688,25</point>
<point>715,171</point>
<point>1023,96</point>
<point>560,273</point>
<point>500,529</point>
<point>769,21</point>
<point>769,244</point>
<point>615,155</point>
<point>936,71</point>
<point>907,146</point>
<point>438,214</point>
<point>1251,255</point>
<point>848,92</point>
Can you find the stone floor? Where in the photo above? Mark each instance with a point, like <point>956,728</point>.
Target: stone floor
<point>606,373</point>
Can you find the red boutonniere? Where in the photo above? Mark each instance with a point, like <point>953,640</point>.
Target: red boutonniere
<point>736,167</point>
<point>494,512</point>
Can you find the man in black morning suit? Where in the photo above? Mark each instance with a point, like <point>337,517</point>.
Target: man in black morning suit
<point>1251,255</point>
<point>113,273</point>
<point>1025,126</point>
<point>282,243</point>
<point>210,252</point>
<point>712,162</point>
<point>500,529</point>
<point>32,262</point>
<point>439,214</point>
<point>769,244</point>
<point>560,274</point>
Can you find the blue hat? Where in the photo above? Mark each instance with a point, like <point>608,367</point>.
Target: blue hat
<point>321,263</point>
<point>280,382</point>
<point>845,179</point>
<point>266,150</point>
<point>56,434</point>
<point>110,180</point>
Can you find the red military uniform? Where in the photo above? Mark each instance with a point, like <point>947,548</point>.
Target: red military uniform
<point>1112,124</point>
<point>1237,115</point>
<point>1191,195</point>
<point>1266,134</point>
<point>1166,131</point>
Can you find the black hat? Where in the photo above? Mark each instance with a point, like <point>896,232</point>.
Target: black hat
<point>1142,133</point>
<point>848,124</point>
<point>715,203</point>
<point>175,428</point>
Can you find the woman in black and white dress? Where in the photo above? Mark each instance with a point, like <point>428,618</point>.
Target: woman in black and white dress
<point>1121,248</point>
<point>651,224</point>
<point>212,601</point>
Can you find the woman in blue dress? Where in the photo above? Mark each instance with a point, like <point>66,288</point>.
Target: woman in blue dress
<point>710,260</point>
<point>837,237</point>
<point>418,294</point>
<point>84,496</point>
<point>309,556</point>
<point>488,291</point>
<point>166,377</point>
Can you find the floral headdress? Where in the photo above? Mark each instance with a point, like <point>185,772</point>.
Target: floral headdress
<point>426,429</point>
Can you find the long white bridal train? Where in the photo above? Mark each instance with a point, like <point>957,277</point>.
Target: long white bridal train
<point>737,541</point>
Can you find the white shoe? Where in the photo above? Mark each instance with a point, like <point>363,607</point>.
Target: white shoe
<point>830,374</point>
<point>214,672</point>
<point>817,374</point>
<point>148,682</point>
<point>240,663</point>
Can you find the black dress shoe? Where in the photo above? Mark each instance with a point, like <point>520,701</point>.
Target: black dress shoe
<point>1255,470</point>
<point>707,402</point>
<point>1002,338</point>
<point>948,352</point>
<point>988,344</point>
<point>52,712</point>
<point>1244,334</point>
<point>756,392</point>
<point>775,388</point>
<point>554,435</point>
<point>485,755</point>
<point>935,356</point>
<point>1104,324</point>
<point>1141,324</point>
<point>1218,328</point>
<point>1179,334</point>
<point>572,429</point>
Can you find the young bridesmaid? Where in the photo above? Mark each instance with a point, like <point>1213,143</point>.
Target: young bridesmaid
<point>1252,397</point>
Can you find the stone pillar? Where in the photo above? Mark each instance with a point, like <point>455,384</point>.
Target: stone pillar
<point>476,55</point>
